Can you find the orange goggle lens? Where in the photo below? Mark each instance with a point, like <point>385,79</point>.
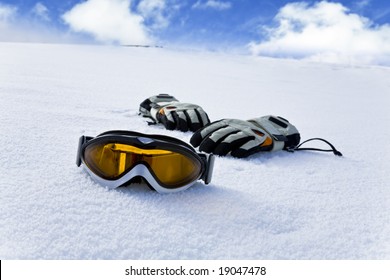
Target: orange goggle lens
<point>112,160</point>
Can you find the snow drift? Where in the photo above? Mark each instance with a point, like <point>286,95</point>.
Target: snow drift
<point>302,205</point>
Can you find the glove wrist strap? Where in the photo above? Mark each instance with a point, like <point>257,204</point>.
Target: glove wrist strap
<point>332,148</point>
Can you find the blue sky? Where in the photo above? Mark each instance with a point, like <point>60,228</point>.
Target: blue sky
<point>272,28</point>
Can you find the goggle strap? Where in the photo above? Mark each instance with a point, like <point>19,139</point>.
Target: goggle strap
<point>209,166</point>
<point>82,140</point>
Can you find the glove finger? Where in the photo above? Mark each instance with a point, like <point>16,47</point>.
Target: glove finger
<point>203,117</point>
<point>167,120</point>
<point>192,120</point>
<point>212,140</point>
<point>181,120</point>
<point>202,133</point>
<point>249,148</point>
<point>232,142</point>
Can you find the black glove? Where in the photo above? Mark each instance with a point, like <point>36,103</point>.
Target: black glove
<point>166,109</point>
<point>243,138</point>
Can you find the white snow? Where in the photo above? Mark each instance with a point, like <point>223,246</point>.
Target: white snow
<point>304,205</point>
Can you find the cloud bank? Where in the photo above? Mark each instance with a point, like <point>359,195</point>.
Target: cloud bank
<point>31,26</point>
<point>108,21</point>
<point>325,32</point>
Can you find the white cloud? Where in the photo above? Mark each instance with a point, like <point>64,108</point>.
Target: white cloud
<point>41,11</point>
<point>108,21</point>
<point>325,32</point>
<point>362,4</point>
<point>155,11</point>
<point>212,4</point>
<point>7,12</point>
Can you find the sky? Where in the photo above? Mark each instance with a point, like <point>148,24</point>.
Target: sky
<point>332,31</point>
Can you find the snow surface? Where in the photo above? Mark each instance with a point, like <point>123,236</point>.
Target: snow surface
<point>279,205</point>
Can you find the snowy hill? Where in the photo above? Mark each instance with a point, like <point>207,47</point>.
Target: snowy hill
<point>304,205</point>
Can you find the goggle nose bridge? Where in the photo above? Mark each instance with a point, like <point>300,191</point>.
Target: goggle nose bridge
<point>145,140</point>
<point>139,169</point>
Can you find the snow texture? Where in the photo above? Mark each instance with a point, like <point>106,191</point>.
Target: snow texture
<point>303,205</point>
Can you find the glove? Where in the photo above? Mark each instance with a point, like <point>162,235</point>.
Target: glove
<point>243,138</point>
<point>166,109</point>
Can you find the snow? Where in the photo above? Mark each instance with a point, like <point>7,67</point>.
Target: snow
<point>302,205</point>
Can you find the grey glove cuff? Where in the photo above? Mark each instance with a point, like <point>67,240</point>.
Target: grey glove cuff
<point>284,134</point>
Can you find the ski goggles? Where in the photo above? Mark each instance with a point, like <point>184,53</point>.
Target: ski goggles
<point>167,164</point>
